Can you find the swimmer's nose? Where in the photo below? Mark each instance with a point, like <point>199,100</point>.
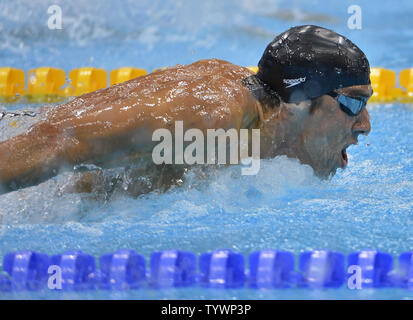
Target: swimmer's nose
<point>362,124</point>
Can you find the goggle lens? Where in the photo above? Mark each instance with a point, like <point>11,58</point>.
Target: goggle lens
<point>350,105</point>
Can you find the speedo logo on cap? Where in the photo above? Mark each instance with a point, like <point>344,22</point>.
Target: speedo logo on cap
<point>293,82</point>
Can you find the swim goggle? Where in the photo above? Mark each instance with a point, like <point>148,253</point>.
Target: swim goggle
<point>351,106</point>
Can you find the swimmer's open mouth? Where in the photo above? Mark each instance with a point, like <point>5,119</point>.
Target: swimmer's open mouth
<point>344,158</point>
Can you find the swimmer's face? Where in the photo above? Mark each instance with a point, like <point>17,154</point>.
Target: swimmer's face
<point>327,131</point>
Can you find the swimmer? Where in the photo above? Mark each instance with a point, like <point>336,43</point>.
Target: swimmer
<point>308,100</point>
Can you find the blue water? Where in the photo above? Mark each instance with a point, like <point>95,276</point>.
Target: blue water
<point>369,205</point>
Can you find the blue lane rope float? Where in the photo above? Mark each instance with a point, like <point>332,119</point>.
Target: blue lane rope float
<point>322,269</point>
<point>172,268</point>
<point>123,269</point>
<point>27,269</point>
<point>376,268</point>
<point>77,269</point>
<point>220,269</point>
<point>406,270</point>
<point>271,269</point>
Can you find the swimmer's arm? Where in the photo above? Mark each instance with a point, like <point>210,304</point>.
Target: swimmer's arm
<point>28,156</point>
<point>109,124</point>
<point>38,154</point>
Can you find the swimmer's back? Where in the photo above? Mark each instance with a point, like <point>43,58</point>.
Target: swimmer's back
<point>209,92</point>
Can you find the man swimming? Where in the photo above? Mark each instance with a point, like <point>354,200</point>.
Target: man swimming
<point>308,100</point>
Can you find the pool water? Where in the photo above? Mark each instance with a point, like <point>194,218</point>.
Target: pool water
<point>367,206</point>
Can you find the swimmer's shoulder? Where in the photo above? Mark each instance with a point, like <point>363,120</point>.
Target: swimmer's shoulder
<point>221,68</point>
<point>216,86</point>
<point>234,76</point>
<point>229,80</point>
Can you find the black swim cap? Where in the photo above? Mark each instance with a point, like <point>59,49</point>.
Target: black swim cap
<point>306,62</point>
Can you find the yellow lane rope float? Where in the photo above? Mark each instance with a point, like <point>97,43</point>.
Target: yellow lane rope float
<point>47,84</point>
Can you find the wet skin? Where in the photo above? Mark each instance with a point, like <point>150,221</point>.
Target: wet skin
<point>116,123</point>
<point>317,132</point>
